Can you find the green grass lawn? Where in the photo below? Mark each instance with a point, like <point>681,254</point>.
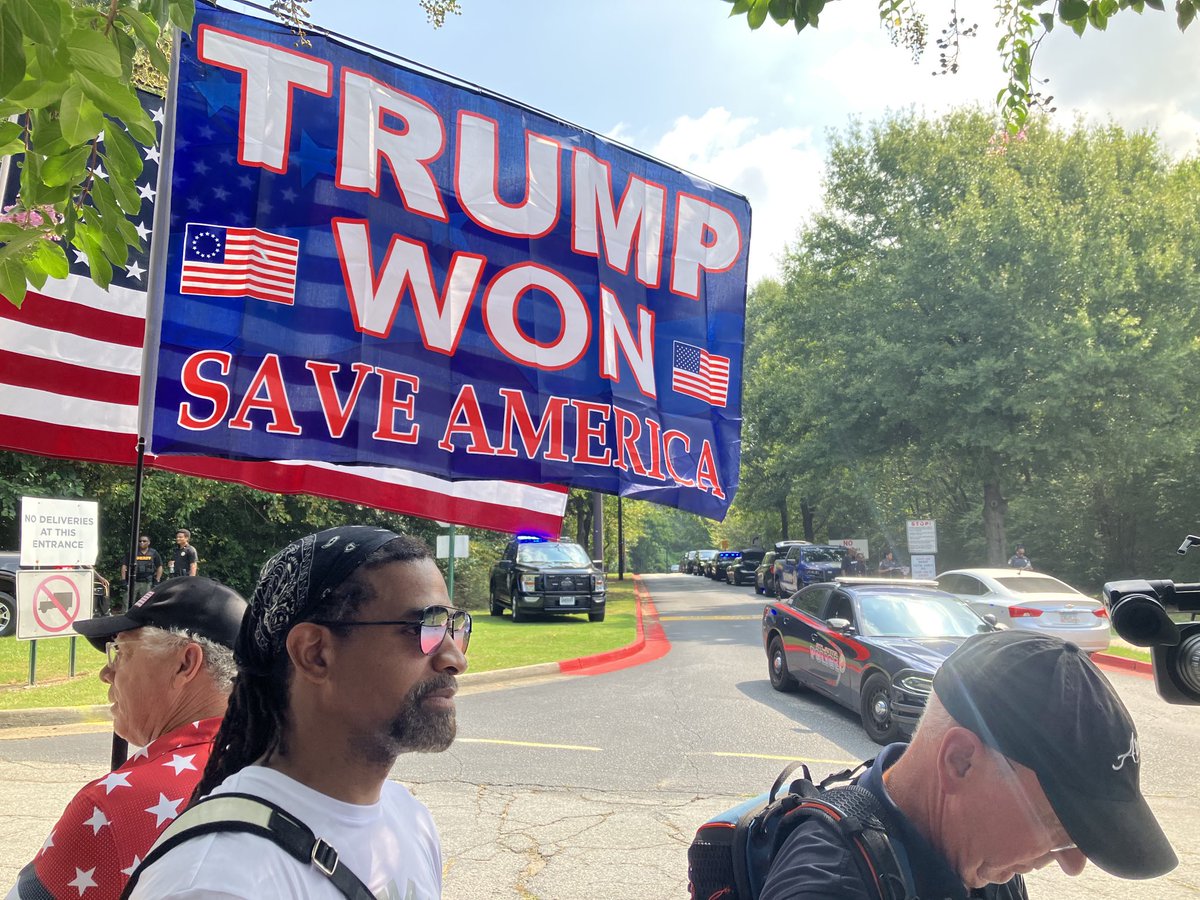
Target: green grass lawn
<point>496,643</point>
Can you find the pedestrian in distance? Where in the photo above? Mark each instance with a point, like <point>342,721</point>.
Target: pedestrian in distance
<point>1025,756</point>
<point>1019,560</point>
<point>185,560</point>
<point>170,670</point>
<point>347,658</point>
<point>889,566</point>
<point>147,572</point>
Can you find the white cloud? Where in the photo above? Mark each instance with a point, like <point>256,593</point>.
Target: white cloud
<point>779,170</point>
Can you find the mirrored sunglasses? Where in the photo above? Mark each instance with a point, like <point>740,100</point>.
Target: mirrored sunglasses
<point>435,623</point>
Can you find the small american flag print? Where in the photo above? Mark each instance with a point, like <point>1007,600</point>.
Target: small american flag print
<point>222,261</point>
<point>700,374</point>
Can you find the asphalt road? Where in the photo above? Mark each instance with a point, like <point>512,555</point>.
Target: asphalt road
<point>584,787</point>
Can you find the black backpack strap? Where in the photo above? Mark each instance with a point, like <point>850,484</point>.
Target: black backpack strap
<point>253,815</point>
<point>857,816</point>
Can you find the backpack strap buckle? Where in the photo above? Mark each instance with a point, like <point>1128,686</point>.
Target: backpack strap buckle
<point>324,857</point>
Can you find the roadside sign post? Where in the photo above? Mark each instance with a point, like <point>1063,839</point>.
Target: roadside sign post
<point>63,534</point>
<point>922,536</point>
<point>449,547</point>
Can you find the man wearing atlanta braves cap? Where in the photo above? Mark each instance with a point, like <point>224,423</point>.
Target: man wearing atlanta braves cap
<point>170,670</point>
<point>1025,756</point>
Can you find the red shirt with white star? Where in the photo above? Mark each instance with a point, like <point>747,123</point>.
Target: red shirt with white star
<point>109,826</point>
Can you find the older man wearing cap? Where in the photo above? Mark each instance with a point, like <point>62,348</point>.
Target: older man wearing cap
<point>346,659</point>
<point>1025,757</point>
<point>170,670</point>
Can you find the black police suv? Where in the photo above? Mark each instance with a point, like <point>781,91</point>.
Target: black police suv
<point>536,575</point>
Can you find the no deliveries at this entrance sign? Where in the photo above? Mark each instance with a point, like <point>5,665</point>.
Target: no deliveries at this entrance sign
<point>59,532</point>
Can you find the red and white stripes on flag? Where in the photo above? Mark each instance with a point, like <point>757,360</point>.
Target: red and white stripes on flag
<point>223,261</point>
<point>70,369</point>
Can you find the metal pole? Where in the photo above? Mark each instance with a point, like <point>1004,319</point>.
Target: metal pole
<point>597,525</point>
<point>451,579</point>
<point>620,541</point>
<point>131,558</point>
<point>120,747</point>
<point>71,661</point>
<point>32,663</point>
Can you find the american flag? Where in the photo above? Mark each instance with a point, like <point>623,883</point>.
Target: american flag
<point>223,261</point>
<point>700,374</point>
<point>70,370</point>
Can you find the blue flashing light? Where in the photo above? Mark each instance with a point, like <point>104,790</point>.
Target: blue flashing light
<point>530,539</point>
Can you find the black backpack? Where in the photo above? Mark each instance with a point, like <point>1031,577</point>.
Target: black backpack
<point>731,855</point>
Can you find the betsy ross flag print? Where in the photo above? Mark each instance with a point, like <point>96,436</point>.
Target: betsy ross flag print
<point>700,374</point>
<point>223,261</point>
<point>70,373</point>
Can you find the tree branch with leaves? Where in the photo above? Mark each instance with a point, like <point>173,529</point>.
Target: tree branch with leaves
<point>1023,25</point>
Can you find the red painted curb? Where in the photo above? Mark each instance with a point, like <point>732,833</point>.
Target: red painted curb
<point>1124,664</point>
<point>650,644</point>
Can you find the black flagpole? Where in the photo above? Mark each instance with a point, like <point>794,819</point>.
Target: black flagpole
<point>120,746</point>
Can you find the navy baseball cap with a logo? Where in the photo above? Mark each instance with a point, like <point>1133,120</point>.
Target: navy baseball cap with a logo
<point>1041,702</point>
<point>198,605</point>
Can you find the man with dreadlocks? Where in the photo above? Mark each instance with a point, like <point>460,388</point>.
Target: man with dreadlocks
<point>347,657</point>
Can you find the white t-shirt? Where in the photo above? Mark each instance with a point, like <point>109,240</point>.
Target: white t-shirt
<point>392,846</point>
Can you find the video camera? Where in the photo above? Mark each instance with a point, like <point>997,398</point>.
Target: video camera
<point>1138,611</point>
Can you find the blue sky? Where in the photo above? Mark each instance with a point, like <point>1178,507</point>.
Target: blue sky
<point>752,110</point>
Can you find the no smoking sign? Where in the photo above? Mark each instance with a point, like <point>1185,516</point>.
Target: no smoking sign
<point>49,602</point>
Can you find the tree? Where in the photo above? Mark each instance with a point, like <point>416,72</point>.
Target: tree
<point>989,314</point>
<point>67,81</point>
<point>1023,22</point>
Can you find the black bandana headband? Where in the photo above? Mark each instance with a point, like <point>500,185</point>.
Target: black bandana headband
<point>295,581</point>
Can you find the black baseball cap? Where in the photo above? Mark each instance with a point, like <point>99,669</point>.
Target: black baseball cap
<point>1042,703</point>
<point>199,605</point>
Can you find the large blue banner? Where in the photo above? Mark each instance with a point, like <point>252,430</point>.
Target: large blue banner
<point>368,264</point>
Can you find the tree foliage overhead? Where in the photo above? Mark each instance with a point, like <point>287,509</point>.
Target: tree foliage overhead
<point>68,76</point>
<point>1023,25</point>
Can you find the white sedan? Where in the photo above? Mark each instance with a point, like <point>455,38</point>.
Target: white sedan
<point>1020,598</point>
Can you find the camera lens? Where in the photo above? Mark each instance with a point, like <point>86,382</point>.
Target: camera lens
<point>1187,662</point>
<point>1141,620</point>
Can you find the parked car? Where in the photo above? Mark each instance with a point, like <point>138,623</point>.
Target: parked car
<point>688,561</point>
<point>806,564</point>
<point>10,563</point>
<point>703,557</point>
<point>722,561</point>
<point>1020,598</point>
<point>742,570</point>
<point>764,575</point>
<point>871,645</point>
<point>536,575</point>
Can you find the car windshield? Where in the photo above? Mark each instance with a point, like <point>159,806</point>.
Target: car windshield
<point>751,556</point>
<point>909,614</point>
<point>1035,584</point>
<point>565,554</point>
<point>707,554</point>
<point>821,554</point>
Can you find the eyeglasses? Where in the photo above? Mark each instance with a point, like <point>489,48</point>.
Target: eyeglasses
<point>113,651</point>
<point>433,626</point>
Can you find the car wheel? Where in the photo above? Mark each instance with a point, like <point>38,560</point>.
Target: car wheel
<point>519,615</point>
<point>875,706</point>
<point>759,589</point>
<point>8,615</point>
<point>597,616</point>
<point>495,605</point>
<point>777,667</point>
